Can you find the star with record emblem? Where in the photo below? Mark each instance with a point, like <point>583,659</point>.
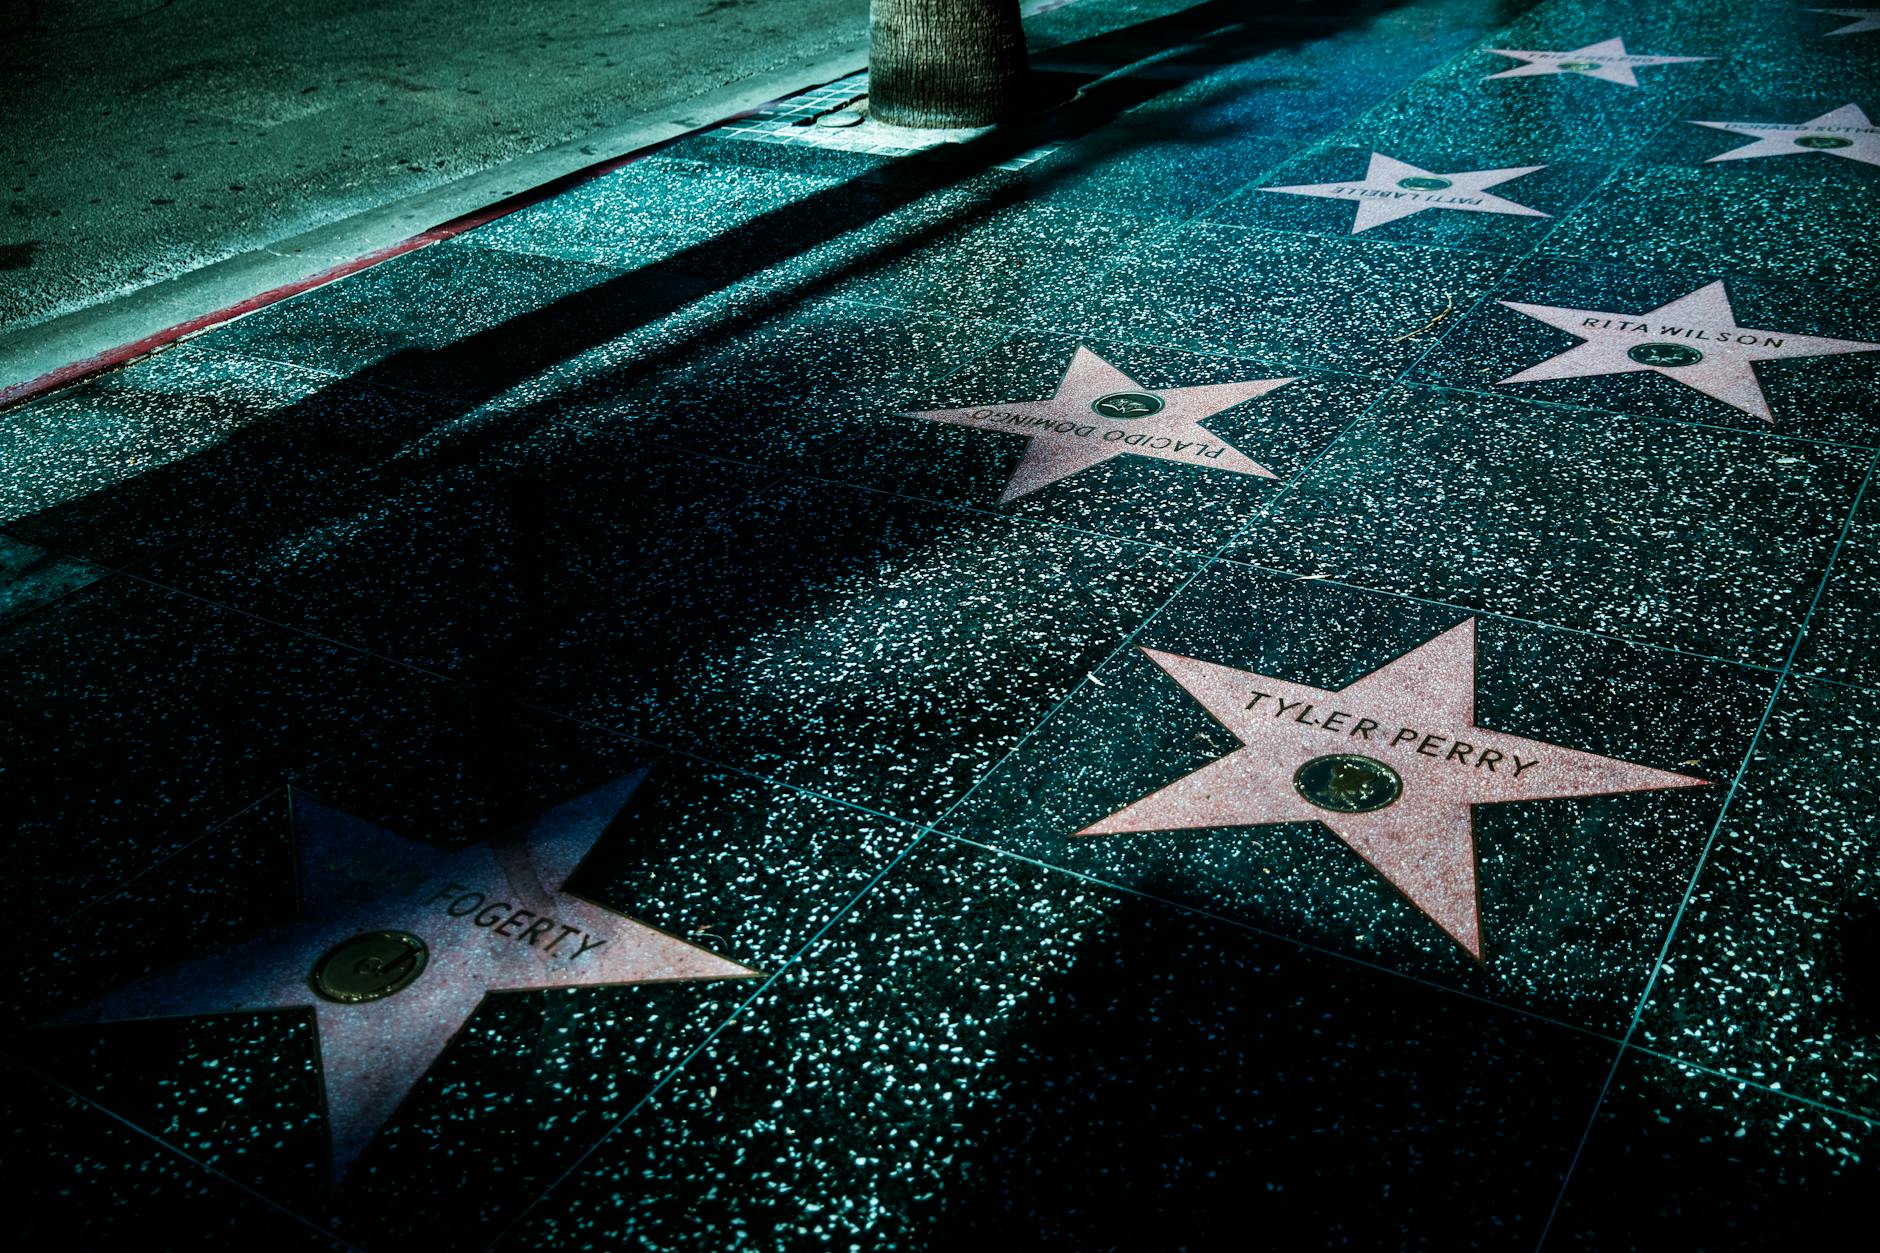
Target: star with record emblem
<point>1842,132</point>
<point>397,944</point>
<point>1864,20</point>
<point>1695,340</point>
<point>1098,412</point>
<point>1392,189</point>
<point>1392,764</point>
<point>1607,59</point>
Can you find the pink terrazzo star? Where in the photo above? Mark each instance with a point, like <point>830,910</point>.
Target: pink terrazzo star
<point>1412,719</point>
<point>490,920</point>
<point>1843,132</point>
<point>1606,60</point>
<point>1695,340</point>
<point>1098,412</point>
<point>1392,189</point>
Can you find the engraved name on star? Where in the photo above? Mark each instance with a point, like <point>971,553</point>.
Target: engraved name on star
<point>1864,20</point>
<point>1392,764</point>
<point>1607,59</point>
<point>486,919</point>
<point>1098,412</point>
<point>1695,340</point>
<point>1392,189</point>
<point>1844,132</point>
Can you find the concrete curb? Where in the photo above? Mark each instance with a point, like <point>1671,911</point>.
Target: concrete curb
<point>65,349</point>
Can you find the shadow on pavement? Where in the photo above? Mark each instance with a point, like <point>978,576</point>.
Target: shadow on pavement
<point>297,472</point>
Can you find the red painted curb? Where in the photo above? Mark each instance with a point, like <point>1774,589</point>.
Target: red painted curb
<point>126,353</point>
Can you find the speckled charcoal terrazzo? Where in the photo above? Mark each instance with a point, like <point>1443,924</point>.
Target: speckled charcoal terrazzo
<point>1093,1070</point>
<point>1769,980</point>
<point>1282,647</point>
<point>1681,1158</point>
<point>1743,352</point>
<point>1705,540</point>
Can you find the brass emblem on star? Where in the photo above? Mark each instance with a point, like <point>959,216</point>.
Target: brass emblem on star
<point>1127,405</point>
<point>370,967</point>
<point>393,952</point>
<point>1348,784</point>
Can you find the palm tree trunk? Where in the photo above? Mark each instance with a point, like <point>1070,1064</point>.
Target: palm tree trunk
<point>945,62</point>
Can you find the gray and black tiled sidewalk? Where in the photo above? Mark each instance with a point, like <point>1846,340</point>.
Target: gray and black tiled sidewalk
<point>1282,654</point>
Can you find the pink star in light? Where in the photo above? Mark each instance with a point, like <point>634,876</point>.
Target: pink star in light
<point>1412,719</point>
<point>1607,60</point>
<point>1694,340</point>
<point>1392,189</point>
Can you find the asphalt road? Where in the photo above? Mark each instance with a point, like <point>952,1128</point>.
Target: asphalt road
<point>143,139</point>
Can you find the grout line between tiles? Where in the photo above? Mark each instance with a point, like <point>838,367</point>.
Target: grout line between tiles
<point>1276,571</point>
<point>1208,561</point>
<point>1332,371</point>
<point>1076,686</point>
<point>853,903</point>
<point>171,1149</point>
<point>791,963</point>
<point>1724,1076</point>
<point>1519,1011</point>
<point>1703,858</point>
<point>1302,475</point>
<point>1218,555</point>
<point>214,829</point>
<point>925,828</point>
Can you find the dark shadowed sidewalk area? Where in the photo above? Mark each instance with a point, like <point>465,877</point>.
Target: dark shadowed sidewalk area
<point>1274,653</point>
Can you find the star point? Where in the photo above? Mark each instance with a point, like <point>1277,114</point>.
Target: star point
<point>1864,20</point>
<point>1393,189</point>
<point>1694,340</point>
<point>1392,764</point>
<point>439,929</point>
<point>1607,60</point>
<point>1098,413</point>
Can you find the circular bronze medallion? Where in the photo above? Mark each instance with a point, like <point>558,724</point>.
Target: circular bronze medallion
<point>1127,405</point>
<point>1348,784</point>
<point>1664,354</point>
<point>1579,65</point>
<point>1823,141</point>
<point>370,966</point>
<point>1424,182</point>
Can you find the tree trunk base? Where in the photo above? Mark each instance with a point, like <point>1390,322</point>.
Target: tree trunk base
<point>947,64</point>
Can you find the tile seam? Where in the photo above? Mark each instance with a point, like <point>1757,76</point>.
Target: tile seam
<point>164,1146</point>
<point>784,968</point>
<point>1723,812</point>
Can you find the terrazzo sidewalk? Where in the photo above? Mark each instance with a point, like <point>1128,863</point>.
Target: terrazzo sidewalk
<point>1284,652</point>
